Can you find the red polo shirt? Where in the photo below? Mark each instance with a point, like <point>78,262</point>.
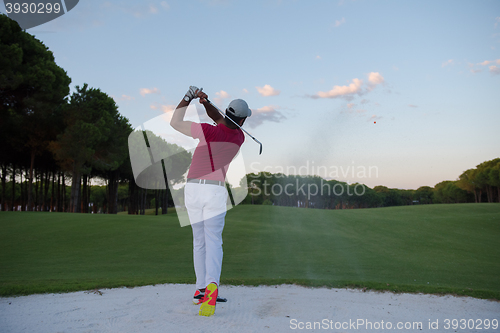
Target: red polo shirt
<point>217,147</point>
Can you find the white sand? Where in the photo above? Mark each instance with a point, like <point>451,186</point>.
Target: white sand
<point>168,308</point>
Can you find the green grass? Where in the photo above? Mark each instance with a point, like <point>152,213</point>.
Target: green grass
<point>451,249</point>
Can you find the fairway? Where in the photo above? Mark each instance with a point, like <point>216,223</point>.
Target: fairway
<point>427,248</point>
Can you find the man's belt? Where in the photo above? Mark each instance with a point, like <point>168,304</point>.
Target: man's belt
<point>205,181</point>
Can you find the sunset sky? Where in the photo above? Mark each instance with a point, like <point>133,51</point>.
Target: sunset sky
<point>410,89</point>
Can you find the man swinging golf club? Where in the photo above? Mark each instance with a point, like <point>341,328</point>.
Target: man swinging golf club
<point>205,193</point>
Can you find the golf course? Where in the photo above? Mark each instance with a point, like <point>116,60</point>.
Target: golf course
<point>442,249</point>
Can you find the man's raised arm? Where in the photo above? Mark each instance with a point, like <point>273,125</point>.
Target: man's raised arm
<point>211,111</point>
<point>177,121</point>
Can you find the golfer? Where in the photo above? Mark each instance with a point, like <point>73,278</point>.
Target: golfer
<point>205,192</point>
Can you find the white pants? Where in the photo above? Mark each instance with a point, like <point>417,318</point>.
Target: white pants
<point>206,206</point>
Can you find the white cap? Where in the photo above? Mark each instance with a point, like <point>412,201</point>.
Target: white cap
<point>239,108</point>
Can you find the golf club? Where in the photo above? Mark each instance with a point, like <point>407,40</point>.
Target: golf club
<point>222,113</point>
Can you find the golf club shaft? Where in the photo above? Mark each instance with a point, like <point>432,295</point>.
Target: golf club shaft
<point>222,113</point>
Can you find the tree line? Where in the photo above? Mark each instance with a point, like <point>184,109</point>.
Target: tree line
<point>53,144</point>
<point>480,184</point>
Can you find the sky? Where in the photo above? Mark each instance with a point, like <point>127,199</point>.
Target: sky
<point>395,93</point>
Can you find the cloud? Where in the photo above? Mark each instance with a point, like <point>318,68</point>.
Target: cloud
<point>267,109</point>
<point>413,105</point>
<point>164,108</point>
<point>374,79</point>
<point>448,62</point>
<point>351,109</point>
<point>245,90</point>
<point>126,98</point>
<point>265,113</point>
<point>146,91</point>
<point>340,91</point>
<point>497,21</point>
<point>165,5</point>
<point>318,57</point>
<point>267,90</point>
<point>356,87</point>
<point>221,96</point>
<point>494,70</point>
<point>339,23</point>
<point>487,62</point>
<point>153,9</point>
